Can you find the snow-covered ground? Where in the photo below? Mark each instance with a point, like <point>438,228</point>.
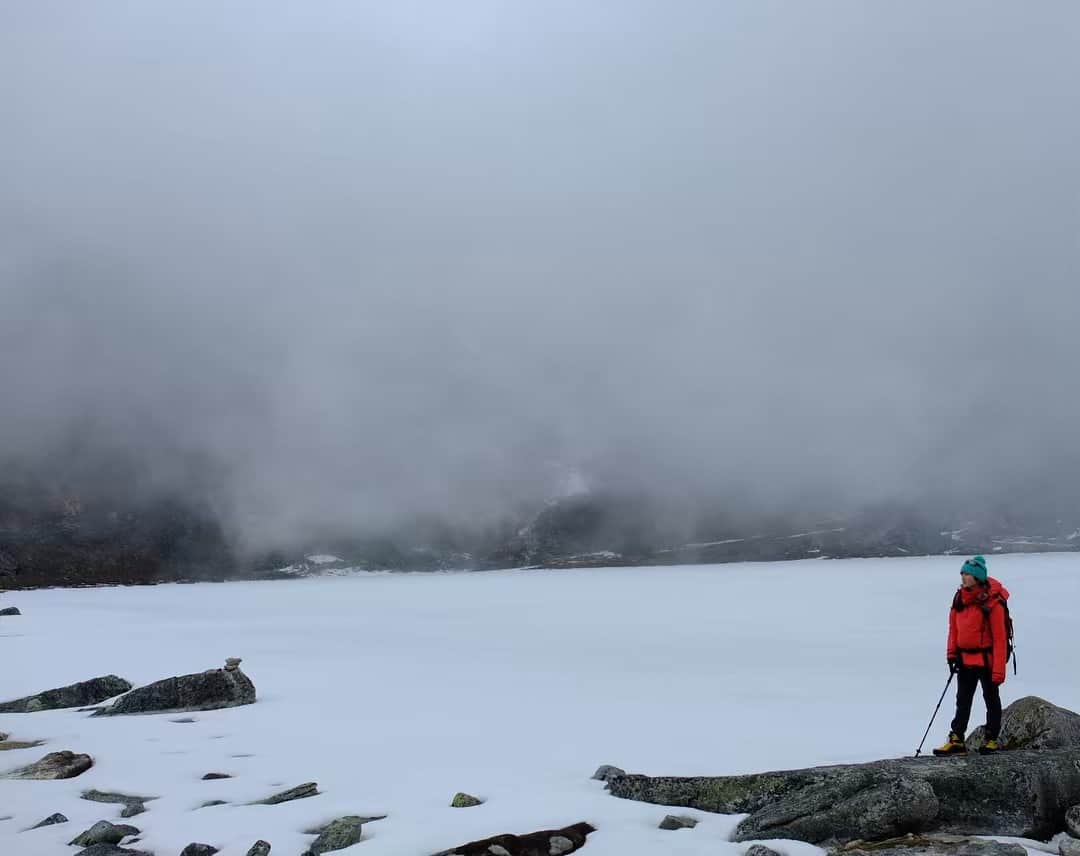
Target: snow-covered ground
<point>394,691</point>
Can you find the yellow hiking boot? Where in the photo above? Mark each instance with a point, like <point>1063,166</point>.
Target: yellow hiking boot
<point>953,746</point>
<point>990,746</point>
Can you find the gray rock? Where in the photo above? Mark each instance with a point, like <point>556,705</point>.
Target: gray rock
<point>760,850</point>
<point>212,777</point>
<point>605,772</point>
<point>1072,821</point>
<point>55,765</point>
<point>198,850</point>
<point>232,663</point>
<point>74,695</point>
<point>678,821</point>
<point>9,745</point>
<point>337,835</point>
<point>210,690</point>
<point>1069,847</point>
<point>133,805</point>
<point>111,850</point>
<point>10,610</point>
<point>259,848</point>
<point>103,832</point>
<point>548,842</point>
<point>210,803</point>
<point>1019,793</point>
<point>1034,723</point>
<point>308,789</point>
<point>463,800</point>
<point>51,820</point>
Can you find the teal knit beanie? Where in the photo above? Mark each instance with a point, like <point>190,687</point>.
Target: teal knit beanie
<point>976,566</point>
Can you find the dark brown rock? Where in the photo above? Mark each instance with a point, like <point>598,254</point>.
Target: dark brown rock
<point>548,842</point>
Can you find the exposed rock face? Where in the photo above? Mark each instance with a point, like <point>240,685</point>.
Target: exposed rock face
<point>549,842</point>
<point>10,610</point>
<point>1069,847</point>
<point>259,848</point>
<point>1034,723</point>
<point>934,845</point>
<point>463,800</point>
<point>308,789</point>
<point>83,693</point>
<point>337,835</point>
<point>103,832</point>
<point>1023,793</point>
<point>760,850</point>
<point>55,765</point>
<point>678,821</point>
<point>209,690</point>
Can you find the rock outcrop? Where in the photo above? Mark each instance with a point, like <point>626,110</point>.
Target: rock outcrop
<point>55,765</point>
<point>933,845</point>
<point>1023,793</point>
<point>93,691</point>
<point>678,821</point>
<point>464,800</point>
<point>548,842</point>
<point>197,849</point>
<point>259,848</point>
<point>51,820</point>
<point>209,690</point>
<point>10,611</point>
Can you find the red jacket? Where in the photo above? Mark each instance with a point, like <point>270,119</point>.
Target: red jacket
<point>977,628</point>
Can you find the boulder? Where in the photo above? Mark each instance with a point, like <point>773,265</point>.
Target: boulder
<point>51,820</point>
<point>1072,821</point>
<point>103,832</point>
<point>1034,723</point>
<point>55,765</point>
<point>259,848</point>
<point>606,771</point>
<point>678,821</point>
<point>10,610</point>
<point>548,842</point>
<point>308,789</point>
<point>195,849</point>
<point>760,850</point>
<point>74,695</point>
<point>463,800</point>
<point>209,690</point>
<point>337,835</point>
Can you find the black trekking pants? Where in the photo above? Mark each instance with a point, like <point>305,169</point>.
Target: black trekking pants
<point>967,679</point>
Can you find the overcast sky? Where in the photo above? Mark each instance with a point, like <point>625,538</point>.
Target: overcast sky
<point>376,258</point>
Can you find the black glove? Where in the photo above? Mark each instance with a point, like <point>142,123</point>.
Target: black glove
<point>954,665</point>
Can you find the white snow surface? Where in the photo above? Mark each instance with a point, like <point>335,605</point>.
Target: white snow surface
<point>394,691</point>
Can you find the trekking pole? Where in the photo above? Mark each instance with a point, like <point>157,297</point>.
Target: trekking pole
<point>932,718</point>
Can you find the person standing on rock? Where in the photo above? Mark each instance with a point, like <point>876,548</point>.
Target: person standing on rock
<point>976,652</point>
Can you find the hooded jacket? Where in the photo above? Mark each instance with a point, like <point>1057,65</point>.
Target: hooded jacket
<point>977,632</point>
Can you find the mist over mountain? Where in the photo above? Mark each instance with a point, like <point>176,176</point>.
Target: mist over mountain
<point>401,277</point>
